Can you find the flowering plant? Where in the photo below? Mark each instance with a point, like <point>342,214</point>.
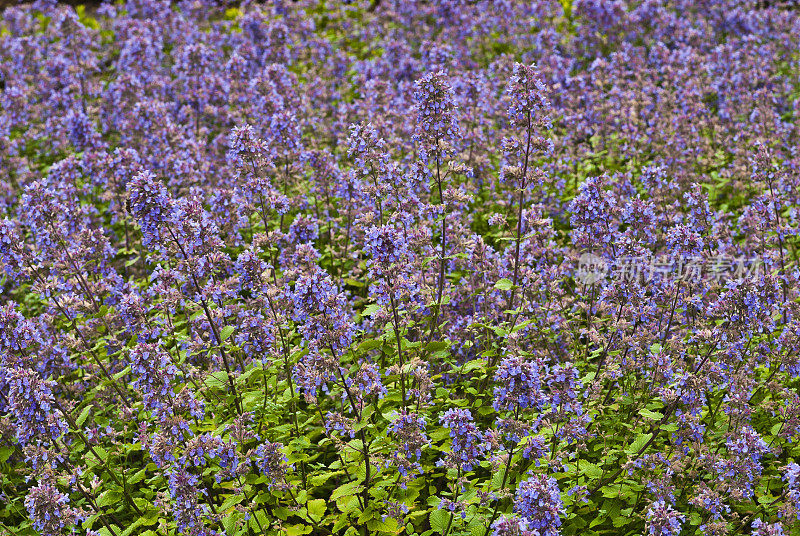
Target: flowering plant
<point>389,267</point>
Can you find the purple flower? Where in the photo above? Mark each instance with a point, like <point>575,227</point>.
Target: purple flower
<point>155,375</point>
<point>49,510</point>
<point>303,229</point>
<point>150,204</point>
<point>386,245</point>
<point>760,528</point>
<point>467,440</point>
<point>335,421</point>
<point>32,404</point>
<point>271,461</point>
<point>409,432</point>
<point>188,512</point>
<point>367,382</point>
<point>510,526</point>
<point>320,310</point>
<point>538,501</point>
<point>527,94</point>
<point>436,121</point>
<point>663,520</point>
<point>792,476</point>
<point>247,151</point>
<point>520,384</point>
<point>251,271</point>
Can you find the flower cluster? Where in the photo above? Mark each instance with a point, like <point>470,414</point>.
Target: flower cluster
<point>663,520</point>
<point>271,462</point>
<point>32,404</point>
<point>409,432</point>
<point>320,309</point>
<point>538,502</point>
<point>436,121</point>
<point>467,440</point>
<point>50,511</point>
<point>519,384</point>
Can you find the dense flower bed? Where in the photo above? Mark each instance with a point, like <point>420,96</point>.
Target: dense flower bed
<point>395,267</point>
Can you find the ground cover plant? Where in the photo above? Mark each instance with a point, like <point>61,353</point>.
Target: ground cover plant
<point>396,267</point>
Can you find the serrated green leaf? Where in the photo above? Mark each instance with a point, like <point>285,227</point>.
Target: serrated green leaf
<point>439,520</point>
<point>121,373</point>
<point>229,523</point>
<point>346,490</point>
<point>317,508</point>
<point>591,470</point>
<point>504,284</point>
<point>137,476</point>
<point>133,526</point>
<point>217,380</point>
<point>371,309</point>
<point>297,530</point>
<point>226,332</point>
<point>368,514</point>
<point>83,416</point>
<point>651,415</point>
<point>475,364</point>
<point>477,528</point>
<point>637,445</point>
<point>369,344</point>
<point>230,502</point>
<point>109,497</point>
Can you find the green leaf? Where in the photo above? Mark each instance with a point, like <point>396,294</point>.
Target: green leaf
<point>640,441</point>
<point>249,372</point>
<point>318,480</point>
<point>109,497</point>
<point>369,344</point>
<point>316,509</point>
<point>217,380</point>
<point>5,453</point>
<point>121,373</point>
<point>651,415</point>
<point>591,470</point>
<point>229,523</point>
<point>436,346</point>
<point>367,515</point>
<point>298,530</point>
<point>439,520</point>
<point>371,309</point>
<point>351,488</point>
<point>230,502</point>
<point>475,364</point>
<point>504,284</point>
<point>226,332</point>
<point>347,504</point>
<point>83,416</point>
<point>477,528</point>
<point>138,476</point>
<point>133,526</point>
